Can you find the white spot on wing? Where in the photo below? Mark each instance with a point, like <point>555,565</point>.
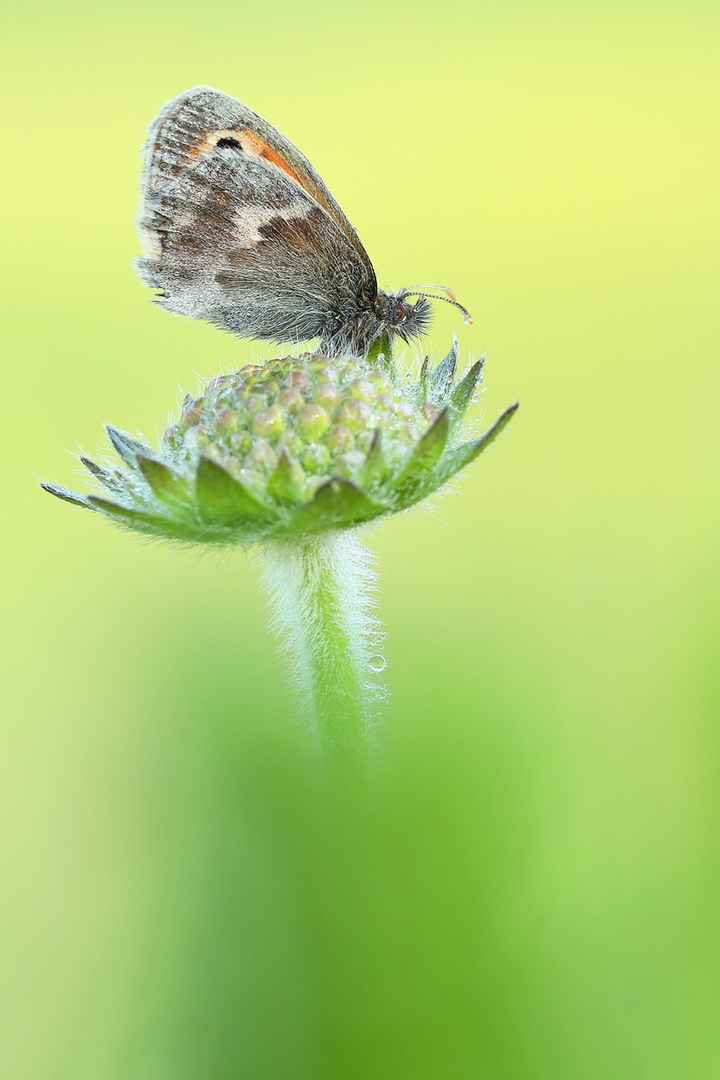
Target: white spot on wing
<point>254,215</point>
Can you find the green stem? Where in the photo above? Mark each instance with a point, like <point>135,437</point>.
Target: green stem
<point>320,596</point>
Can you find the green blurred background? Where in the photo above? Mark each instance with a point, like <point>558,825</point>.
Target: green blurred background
<point>533,892</point>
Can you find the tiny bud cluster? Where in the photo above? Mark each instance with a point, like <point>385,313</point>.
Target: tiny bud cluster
<point>292,448</point>
<point>321,414</point>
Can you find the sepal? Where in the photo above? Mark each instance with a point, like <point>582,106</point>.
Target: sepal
<point>223,499</point>
<point>463,392</point>
<point>417,473</point>
<point>375,469</point>
<point>337,504</point>
<point>442,376</point>
<point>72,497</point>
<point>126,446</point>
<point>463,455</point>
<point>283,485</point>
<point>170,489</point>
<point>115,482</point>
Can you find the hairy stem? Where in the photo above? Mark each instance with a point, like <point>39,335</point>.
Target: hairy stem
<point>320,596</point>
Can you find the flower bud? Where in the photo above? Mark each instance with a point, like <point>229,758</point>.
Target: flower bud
<point>341,438</point>
<point>290,399</point>
<point>356,415</point>
<point>362,389</point>
<point>295,447</point>
<point>226,422</point>
<point>268,422</point>
<point>313,421</point>
<point>327,395</point>
<point>262,456</point>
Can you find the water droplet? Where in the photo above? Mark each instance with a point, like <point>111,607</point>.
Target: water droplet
<point>377,663</point>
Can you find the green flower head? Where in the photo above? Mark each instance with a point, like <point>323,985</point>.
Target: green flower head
<point>294,447</point>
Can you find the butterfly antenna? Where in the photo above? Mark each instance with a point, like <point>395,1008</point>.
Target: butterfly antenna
<point>449,299</point>
<point>439,288</point>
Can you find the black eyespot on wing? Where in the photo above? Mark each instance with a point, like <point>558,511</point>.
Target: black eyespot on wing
<point>233,144</point>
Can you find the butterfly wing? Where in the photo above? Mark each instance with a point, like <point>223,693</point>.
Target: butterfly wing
<point>239,229</point>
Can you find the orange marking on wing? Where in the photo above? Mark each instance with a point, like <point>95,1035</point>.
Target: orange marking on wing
<point>253,145</point>
<point>201,148</point>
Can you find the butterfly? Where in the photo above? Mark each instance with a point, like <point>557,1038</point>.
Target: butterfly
<point>238,229</point>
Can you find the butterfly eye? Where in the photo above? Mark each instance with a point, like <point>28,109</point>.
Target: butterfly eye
<point>399,314</point>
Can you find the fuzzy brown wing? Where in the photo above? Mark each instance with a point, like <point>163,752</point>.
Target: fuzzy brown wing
<point>238,229</point>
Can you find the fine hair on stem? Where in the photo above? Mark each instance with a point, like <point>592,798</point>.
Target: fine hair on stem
<point>321,590</point>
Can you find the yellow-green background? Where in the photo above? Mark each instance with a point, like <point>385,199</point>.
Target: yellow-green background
<point>534,894</point>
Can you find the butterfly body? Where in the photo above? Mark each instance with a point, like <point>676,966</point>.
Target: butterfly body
<point>239,229</point>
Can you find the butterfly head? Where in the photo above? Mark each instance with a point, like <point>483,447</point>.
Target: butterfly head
<point>408,320</point>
